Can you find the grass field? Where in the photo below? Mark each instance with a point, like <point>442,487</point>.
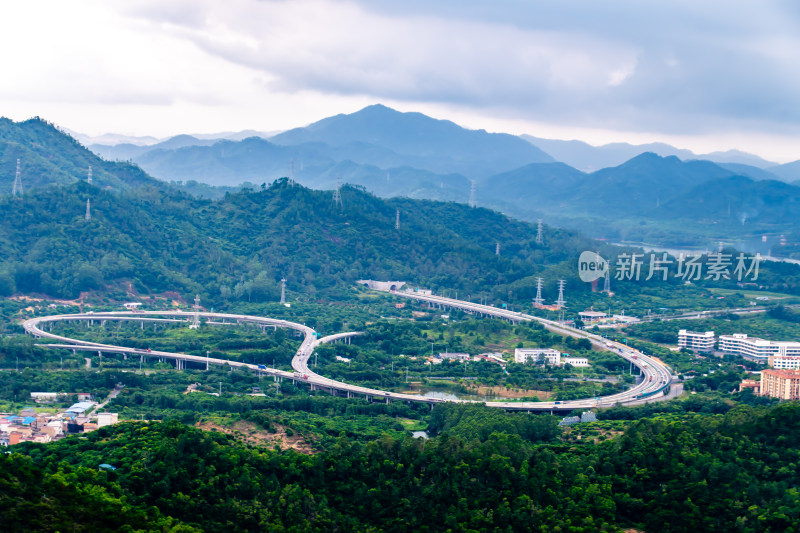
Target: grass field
<point>785,298</point>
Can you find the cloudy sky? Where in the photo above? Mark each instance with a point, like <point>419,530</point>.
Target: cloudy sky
<point>709,75</point>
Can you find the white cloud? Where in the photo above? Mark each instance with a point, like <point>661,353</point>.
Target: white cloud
<point>679,69</point>
<point>340,47</point>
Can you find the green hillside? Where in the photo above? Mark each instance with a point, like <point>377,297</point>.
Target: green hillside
<point>49,156</point>
<point>241,245</point>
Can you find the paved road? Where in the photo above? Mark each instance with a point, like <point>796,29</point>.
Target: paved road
<point>656,376</point>
<point>114,393</point>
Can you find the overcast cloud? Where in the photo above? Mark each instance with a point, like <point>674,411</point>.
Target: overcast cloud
<point>703,75</point>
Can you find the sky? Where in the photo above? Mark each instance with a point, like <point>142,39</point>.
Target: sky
<point>707,76</point>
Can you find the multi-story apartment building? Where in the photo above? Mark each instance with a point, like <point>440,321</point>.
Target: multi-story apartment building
<point>783,384</point>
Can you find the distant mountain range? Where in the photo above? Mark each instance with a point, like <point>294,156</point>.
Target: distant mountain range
<point>378,136</point>
<point>588,158</point>
<point>373,143</point>
<point>636,186</point>
<point>409,154</point>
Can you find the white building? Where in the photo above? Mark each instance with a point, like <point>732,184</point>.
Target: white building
<point>57,425</point>
<point>552,357</point>
<point>756,349</point>
<point>44,396</point>
<point>785,362</point>
<point>495,357</point>
<point>455,355</point>
<point>575,361</point>
<point>107,419</point>
<point>590,318</point>
<point>699,342</point>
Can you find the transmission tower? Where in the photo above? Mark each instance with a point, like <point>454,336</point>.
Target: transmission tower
<point>561,302</point>
<point>196,320</point>
<point>88,215</point>
<point>337,194</point>
<point>539,232</point>
<point>291,175</point>
<point>607,283</point>
<point>497,249</point>
<point>89,177</point>
<point>472,202</point>
<point>283,290</point>
<point>397,219</point>
<point>539,283</point>
<point>17,189</point>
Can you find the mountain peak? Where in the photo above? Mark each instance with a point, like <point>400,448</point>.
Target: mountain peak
<point>432,144</point>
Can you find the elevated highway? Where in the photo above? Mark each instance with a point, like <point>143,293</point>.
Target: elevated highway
<point>656,376</point>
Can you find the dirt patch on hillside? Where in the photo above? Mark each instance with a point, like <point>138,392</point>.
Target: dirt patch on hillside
<point>250,433</point>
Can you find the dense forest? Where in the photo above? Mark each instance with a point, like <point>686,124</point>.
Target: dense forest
<point>483,471</point>
<point>151,241</point>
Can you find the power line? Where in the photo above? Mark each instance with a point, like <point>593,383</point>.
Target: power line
<point>472,201</point>
<point>561,302</point>
<point>538,300</point>
<point>337,195</point>
<point>17,189</point>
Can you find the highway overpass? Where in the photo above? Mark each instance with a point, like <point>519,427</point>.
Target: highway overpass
<point>656,376</point>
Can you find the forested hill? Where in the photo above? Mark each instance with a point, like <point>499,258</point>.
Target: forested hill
<point>49,157</point>
<point>147,240</point>
<point>731,472</point>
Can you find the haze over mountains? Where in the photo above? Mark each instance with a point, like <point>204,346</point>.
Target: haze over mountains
<point>409,154</point>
